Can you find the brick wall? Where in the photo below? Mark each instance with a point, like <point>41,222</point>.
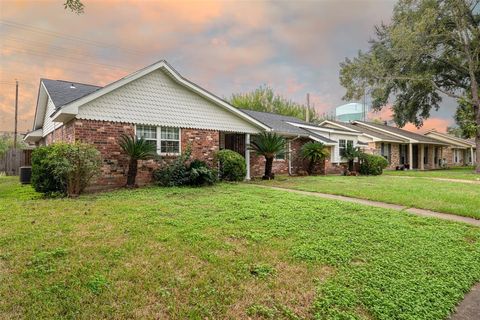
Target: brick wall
<point>104,136</point>
<point>65,133</point>
<point>204,143</point>
<point>376,148</point>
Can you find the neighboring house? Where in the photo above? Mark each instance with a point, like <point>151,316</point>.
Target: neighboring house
<point>460,151</point>
<point>400,147</point>
<point>297,133</point>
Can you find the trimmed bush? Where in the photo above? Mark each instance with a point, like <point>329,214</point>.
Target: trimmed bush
<point>372,164</point>
<point>179,173</point>
<point>232,165</point>
<point>174,174</point>
<point>200,174</point>
<point>63,168</point>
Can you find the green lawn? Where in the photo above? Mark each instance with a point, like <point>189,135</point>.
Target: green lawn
<point>463,173</point>
<point>226,252</point>
<point>444,196</point>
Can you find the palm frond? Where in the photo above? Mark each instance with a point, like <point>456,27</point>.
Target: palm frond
<point>139,149</point>
<point>314,151</point>
<point>268,144</point>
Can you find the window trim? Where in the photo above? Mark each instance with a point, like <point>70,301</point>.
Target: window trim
<point>159,139</point>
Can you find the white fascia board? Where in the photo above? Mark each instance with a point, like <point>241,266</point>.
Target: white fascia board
<point>42,101</point>
<point>325,143</point>
<point>301,125</point>
<point>71,109</point>
<point>387,132</point>
<point>376,139</point>
<point>34,136</point>
<point>449,139</point>
<point>338,125</point>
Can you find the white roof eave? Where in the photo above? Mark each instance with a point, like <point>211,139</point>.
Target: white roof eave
<point>34,136</point>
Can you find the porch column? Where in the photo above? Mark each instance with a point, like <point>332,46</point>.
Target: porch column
<point>410,155</point>
<point>247,155</point>
<point>472,156</point>
<point>422,155</point>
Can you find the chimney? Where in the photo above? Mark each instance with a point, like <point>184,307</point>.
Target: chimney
<point>307,111</point>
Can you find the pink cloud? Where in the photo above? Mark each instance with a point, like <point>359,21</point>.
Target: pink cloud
<point>432,123</point>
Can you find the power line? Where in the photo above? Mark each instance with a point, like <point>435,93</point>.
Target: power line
<point>64,57</point>
<point>46,46</point>
<point>70,37</point>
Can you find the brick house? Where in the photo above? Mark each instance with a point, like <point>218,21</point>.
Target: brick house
<point>460,152</point>
<point>400,147</point>
<point>159,105</point>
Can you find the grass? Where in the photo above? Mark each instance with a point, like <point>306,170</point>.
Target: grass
<point>462,173</point>
<point>443,196</point>
<point>230,251</point>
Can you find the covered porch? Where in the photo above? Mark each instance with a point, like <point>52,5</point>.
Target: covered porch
<point>237,142</point>
<point>421,156</point>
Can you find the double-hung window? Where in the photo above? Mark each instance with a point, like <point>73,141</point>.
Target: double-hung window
<point>342,145</point>
<point>169,140</point>
<point>282,155</point>
<point>166,139</point>
<point>386,151</point>
<point>147,133</point>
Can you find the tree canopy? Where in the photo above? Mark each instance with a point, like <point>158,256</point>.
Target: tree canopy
<point>431,48</point>
<point>266,100</point>
<point>75,6</point>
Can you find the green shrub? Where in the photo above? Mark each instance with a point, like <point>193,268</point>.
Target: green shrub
<point>179,173</point>
<point>232,165</point>
<point>174,174</point>
<point>43,165</point>
<point>63,168</point>
<point>200,174</point>
<point>372,164</point>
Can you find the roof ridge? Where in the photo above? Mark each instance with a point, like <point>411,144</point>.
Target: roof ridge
<point>85,84</point>
<point>450,136</point>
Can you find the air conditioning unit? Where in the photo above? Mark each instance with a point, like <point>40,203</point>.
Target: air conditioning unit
<point>25,175</point>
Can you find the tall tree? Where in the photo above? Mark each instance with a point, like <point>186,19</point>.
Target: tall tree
<point>465,119</point>
<point>264,99</point>
<point>455,131</point>
<point>431,48</point>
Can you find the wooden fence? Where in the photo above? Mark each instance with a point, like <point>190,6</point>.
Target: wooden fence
<point>13,159</point>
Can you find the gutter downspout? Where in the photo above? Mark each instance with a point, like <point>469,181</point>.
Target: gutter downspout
<point>290,155</point>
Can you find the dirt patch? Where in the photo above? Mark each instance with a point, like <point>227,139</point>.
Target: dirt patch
<point>291,290</point>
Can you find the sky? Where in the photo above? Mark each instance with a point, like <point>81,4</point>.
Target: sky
<point>226,47</point>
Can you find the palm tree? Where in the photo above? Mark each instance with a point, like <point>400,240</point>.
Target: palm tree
<point>268,144</point>
<point>136,149</point>
<point>313,151</point>
<point>350,153</point>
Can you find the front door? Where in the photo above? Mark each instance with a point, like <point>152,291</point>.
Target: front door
<point>235,142</point>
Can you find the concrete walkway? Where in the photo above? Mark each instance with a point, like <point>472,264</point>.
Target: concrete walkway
<point>440,179</point>
<point>415,211</point>
<point>469,307</point>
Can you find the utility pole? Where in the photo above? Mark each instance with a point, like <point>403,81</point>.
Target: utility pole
<point>16,116</point>
<point>307,115</point>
